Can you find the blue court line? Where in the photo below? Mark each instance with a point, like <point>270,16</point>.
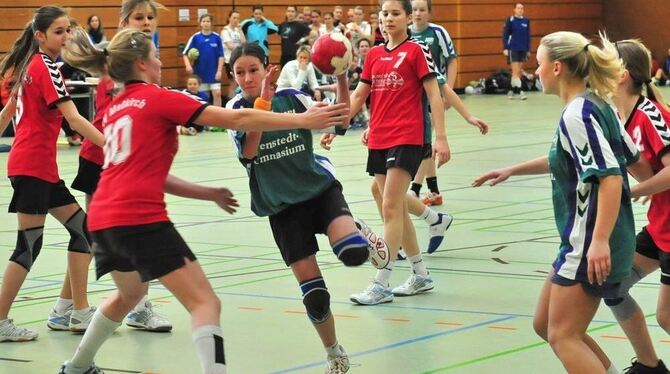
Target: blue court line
<point>400,343</point>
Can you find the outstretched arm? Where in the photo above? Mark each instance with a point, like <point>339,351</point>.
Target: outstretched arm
<point>539,165</point>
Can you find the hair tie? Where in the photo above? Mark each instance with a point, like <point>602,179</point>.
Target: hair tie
<point>586,47</point>
<point>105,52</point>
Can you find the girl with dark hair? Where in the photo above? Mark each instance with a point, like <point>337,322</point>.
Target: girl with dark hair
<point>297,190</point>
<point>39,102</point>
<point>95,30</point>
<point>647,120</point>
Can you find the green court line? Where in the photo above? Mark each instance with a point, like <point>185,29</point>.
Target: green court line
<point>513,350</point>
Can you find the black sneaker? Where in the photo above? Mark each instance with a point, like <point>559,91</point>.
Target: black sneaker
<point>638,368</point>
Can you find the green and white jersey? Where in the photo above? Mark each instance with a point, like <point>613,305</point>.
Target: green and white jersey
<point>440,44</point>
<point>285,170</point>
<point>589,144</point>
<point>427,126</point>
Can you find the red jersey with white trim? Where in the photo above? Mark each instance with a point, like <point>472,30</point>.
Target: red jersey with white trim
<point>103,98</point>
<point>649,126</point>
<point>140,144</point>
<point>396,86</point>
<point>38,121</point>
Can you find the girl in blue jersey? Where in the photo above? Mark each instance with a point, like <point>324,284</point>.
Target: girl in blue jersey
<point>209,64</point>
<point>297,190</point>
<point>516,46</point>
<point>591,197</point>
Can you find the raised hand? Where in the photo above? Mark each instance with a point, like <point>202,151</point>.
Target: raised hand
<point>270,82</point>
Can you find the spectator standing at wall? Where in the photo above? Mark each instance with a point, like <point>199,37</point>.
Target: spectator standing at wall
<point>516,47</point>
<point>292,33</point>
<point>257,28</point>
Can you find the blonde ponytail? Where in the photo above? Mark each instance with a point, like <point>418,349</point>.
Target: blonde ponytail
<point>584,60</point>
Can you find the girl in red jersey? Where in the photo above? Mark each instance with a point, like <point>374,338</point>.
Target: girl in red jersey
<point>140,15</point>
<point>396,75</point>
<point>647,121</point>
<point>134,238</point>
<point>40,103</point>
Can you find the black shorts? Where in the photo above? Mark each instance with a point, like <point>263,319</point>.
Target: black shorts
<point>646,246</point>
<point>87,177</point>
<point>606,290</point>
<point>406,157</point>
<point>36,196</point>
<point>518,56</point>
<point>426,152</point>
<point>295,227</point>
<point>153,250</point>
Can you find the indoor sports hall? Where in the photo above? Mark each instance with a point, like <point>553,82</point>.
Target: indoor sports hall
<point>488,271</point>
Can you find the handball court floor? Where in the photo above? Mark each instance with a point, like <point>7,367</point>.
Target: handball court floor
<point>488,272</point>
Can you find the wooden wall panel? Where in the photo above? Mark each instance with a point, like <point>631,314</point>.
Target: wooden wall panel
<point>648,22</point>
<point>474,25</point>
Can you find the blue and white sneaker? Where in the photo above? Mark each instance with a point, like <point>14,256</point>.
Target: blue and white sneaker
<point>374,294</point>
<point>60,322</point>
<point>437,231</point>
<point>79,320</point>
<point>147,319</point>
<point>413,285</point>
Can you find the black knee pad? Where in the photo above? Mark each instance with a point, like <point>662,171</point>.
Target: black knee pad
<point>352,250</point>
<point>316,299</point>
<point>28,246</point>
<point>80,239</point>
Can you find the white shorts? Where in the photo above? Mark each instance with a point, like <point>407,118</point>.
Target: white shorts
<point>210,86</point>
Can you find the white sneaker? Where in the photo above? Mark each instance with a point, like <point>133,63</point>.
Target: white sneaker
<point>337,365</point>
<point>380,256</point>
<point>437,230</point>
<point>60,322</point>
<point>413,285</point>
<point>10,332</point>
<point>68,368</point>
<point>374,294</point>
<point>522,96</point>
<point>148,320</point>
<point>79,321</point>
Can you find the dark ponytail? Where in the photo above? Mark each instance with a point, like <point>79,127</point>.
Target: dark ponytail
<point>19,56</point>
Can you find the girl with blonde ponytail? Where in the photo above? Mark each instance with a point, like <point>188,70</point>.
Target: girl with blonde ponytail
<point>647,120</point>
<point>591,196</point>
<point>135,240</point>
<point>141,15</point>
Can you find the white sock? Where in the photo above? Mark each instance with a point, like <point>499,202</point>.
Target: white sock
<point>335,350</point>
<point>208,342</point>
<point>62,305</point>
<point>141,305</point>
<point>384,275</point>
<point>430,216</point>
<point>612,370</point>
<point>516,82</point>
<point>418,266</point>
<point>100,329</point>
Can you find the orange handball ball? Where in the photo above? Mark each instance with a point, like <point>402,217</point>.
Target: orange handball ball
<point>332,53</point>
